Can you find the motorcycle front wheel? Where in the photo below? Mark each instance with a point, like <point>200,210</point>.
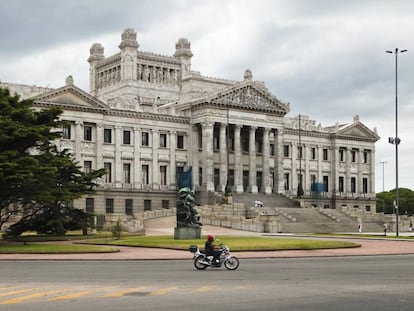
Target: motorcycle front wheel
<point>198,263</point>
<point>231,263</point>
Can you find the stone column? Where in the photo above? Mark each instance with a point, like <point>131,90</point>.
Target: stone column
<point>294,170</point>
<point>223,157</point>
<point>238,164</point>
<point>335,171</point>
<point>194,154</point>
<point>118,169</point>
<point>208,168</point>
<point>252,161</point>
<point>155,168</point>
<point>173,146</point>
<point>78,141</point>
<point>99,145</point>
<point>347,172</point>
<point>306,174</point>
<point>278,182</point>
<point>137,158</point>
<point>371,180</point>
<point>266,159</point>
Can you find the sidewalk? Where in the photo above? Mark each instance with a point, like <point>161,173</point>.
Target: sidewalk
<point>166,226</point>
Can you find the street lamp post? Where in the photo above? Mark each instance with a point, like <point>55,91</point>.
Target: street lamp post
<point>396,141</point>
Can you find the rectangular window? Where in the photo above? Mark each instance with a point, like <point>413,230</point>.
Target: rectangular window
<point>108,175</point>
<point>341,184</point>
<point>300,152</point>
<point>166,204</point>
<point>145,174</point>
<point>313,153</point>
<point>341,155</point>
<point>180,141</point>
<point>259,145</point>
<point>353,156</point>
<point>325,154</point>
<point>87,133</point>
<point>87,166</point>
<point>129,207</point>
<point>163,140</point>
<point>109,206</point>
<point>108,136</point>
<point>147,205</point>
<point>127,173</point>
<point>353,184</point>
<point>90,205</point>
<point>365,157</point>
<point>127,137</point>
<point>325,183</point>
<point>272,149</point>
<point>286,181</point>
<point>66,131</point>
<point>364,185</point>
<point>216,143</point>
<point>286,151</point>
<point>230,142</point>
<point>163,175</point>
<point>145,139</point>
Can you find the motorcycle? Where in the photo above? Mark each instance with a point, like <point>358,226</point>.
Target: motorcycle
<point>202,261</point>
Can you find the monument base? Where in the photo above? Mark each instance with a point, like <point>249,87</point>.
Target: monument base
<point>187,233</point>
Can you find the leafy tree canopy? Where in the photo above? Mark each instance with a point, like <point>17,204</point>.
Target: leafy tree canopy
<point>37,178</point>
<point>385,201</point>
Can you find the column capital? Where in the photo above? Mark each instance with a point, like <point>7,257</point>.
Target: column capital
<point>207,124</point>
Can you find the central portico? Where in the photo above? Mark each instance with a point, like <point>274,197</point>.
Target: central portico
<point>235,136</point>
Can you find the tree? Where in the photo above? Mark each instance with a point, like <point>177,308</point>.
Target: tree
<point>386,199</point>
<point>36,178</point>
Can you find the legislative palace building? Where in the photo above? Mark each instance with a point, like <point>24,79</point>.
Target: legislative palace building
<point>149,118</point>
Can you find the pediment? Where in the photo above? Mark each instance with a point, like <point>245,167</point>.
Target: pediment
<point>357,130</point>
<point>247,95</point>
<point>70,96</point>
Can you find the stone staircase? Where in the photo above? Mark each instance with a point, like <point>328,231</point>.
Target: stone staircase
<point>284,215</point>
<point>273,200</point>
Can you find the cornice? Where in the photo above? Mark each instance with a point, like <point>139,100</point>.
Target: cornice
<point>158,58</point>
<point>113,112</point>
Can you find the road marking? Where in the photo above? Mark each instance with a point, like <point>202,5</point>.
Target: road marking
<point>78,294</point>
<point>204,289</point>
<point>123,292</point>
<point>163,291</point>
<point>8,287</point>
<point>18,292</point>
<point>29,297</point>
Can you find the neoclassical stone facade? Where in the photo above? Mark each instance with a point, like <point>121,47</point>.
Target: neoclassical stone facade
<point>148,117</point>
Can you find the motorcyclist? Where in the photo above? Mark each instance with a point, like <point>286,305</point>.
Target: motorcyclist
<point>210,250</point>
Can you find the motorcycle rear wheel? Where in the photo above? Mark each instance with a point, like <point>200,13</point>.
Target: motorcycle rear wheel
<point>231,263</point>
<point>198,264</point>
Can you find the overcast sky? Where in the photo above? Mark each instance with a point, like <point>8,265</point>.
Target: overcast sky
<point>325,57</point>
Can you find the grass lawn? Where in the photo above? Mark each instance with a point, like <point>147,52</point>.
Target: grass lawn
<point>236,243</point>
<point>103,243</point>
<point>46,248</point>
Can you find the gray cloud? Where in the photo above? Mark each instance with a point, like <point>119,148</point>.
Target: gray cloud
<point>326,57</point>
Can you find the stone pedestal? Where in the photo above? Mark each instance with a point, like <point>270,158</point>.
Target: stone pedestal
<point>229,199</point>
<point>187,233</point>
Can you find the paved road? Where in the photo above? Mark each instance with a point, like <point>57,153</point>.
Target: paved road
<point>369,283</point>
